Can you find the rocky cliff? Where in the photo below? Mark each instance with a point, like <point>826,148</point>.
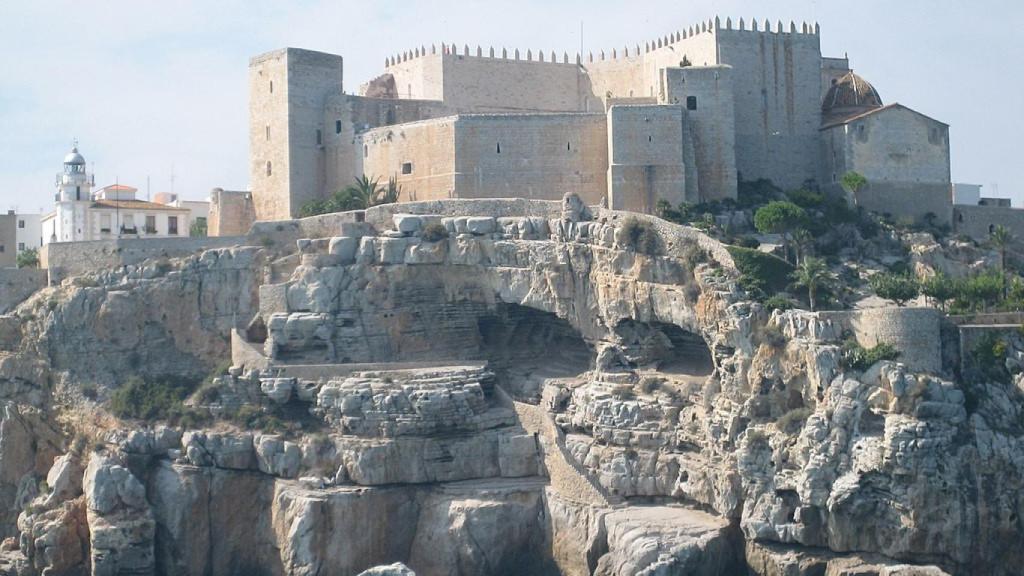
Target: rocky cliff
<point>489,387</point>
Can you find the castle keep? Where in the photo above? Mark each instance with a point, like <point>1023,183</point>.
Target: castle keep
<point>679,118</point>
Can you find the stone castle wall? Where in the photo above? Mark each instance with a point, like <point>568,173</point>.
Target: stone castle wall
<point>420,155</point>
<point>711,127</point>
<point>537,156</point>
<point>979,221</point>
<point>645,157</point>
<point>778,102</point>
<point>914,332</point>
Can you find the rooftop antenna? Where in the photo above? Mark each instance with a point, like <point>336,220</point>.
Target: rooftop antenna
<point>172,178</point>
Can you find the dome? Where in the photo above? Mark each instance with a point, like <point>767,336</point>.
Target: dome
<point>74,157</point>
<point>850,92</point>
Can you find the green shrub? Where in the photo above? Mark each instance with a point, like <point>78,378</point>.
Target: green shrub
<point>806,198</point>
<point>760,272</point>
<point>792,421</point>
<point>856,357</point>
<point>988,358</point>
<point>434,232</point>
<point>747,242</point>
<point>156,400</point>
<point>780,303</point>
<point>640,236</point>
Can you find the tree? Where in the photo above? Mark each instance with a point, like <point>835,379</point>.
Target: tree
<point>1000,238</point>
<point>361,195</point>
<point>853,182</point>
<point>940,288</point>
<point>803,241</point>
<point>813,274</point>
<point>28,258</point>
<point>896,287</point>
<point>780,217</point>
<point>198,228</point>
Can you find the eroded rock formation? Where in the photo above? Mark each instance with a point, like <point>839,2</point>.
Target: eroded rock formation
<point>492,387</point>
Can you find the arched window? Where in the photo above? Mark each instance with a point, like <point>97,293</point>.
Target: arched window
<point>269,168</point>
<point>271,86</point>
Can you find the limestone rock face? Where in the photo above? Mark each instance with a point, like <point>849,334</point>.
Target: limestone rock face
<point>529,394</point>
<point>121,525</point>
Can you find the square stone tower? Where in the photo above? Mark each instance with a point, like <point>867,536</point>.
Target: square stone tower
<point>288,90</point>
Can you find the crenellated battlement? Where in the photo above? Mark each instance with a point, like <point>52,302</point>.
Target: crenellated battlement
<point>710,26</point>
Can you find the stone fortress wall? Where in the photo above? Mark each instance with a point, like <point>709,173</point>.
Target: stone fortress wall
<point>323,153</point>
<point>914,332</point>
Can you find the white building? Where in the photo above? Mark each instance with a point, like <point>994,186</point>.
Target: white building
<point>29,232</point>
<point>110,212</point>
<point>966,194</point>
<point>198,210</point>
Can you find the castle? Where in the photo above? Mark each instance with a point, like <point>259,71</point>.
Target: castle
<point>680,118</point>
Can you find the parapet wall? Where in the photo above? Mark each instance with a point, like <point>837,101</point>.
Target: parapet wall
<point>915,332</point>
<point>17,284</point>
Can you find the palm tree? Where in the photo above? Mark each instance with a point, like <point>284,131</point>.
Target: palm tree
<point>803,241</point>
<point>360,196</point>
<point>812,274</point>
<point>1000,238</point>
<point>390,194</point>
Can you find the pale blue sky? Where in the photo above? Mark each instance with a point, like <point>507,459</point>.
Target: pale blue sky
<point>151,86</point>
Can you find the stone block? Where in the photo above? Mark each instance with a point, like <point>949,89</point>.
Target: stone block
<point>407,223</point>
<point>426,252</point>
<point>392,250</point>
<point>480,225</point>
<point>367,253</point>
<point>273,299</point>
<point>344,247</point>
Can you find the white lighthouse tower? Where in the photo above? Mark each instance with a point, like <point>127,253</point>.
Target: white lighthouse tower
<point>74,196</point>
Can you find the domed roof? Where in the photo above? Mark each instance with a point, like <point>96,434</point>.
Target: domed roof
<point>74,157</point>
<point>850,91</point>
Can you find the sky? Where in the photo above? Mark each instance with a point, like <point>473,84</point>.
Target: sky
<point>158,90</point>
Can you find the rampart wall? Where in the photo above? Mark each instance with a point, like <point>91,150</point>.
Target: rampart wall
<point>979,221</point>
<point>420,155</point>
<point>17,284</point>
<point>915,332</point>
<point>537,156</point>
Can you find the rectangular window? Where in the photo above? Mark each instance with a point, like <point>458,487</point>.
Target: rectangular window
<point>691,102</point>
<point>407,168</point>
<point>319,138</point>
<point>150,224</point>
<point>172,225</point>
<point>2,248</point>
<point>337,126</point>
<point>21,224</point>
<point>105,223</point>
<point>21,246</point>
